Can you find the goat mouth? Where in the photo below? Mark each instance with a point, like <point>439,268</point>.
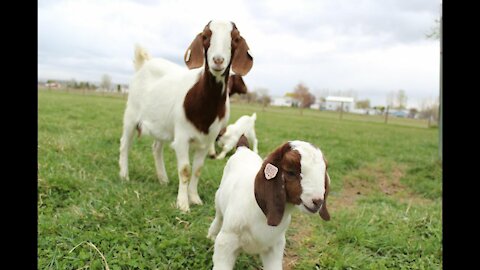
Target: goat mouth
<point>218,69</point>
<point>311,210</point>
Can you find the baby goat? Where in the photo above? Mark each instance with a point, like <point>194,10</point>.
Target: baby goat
<point>236,85</point>
<point>256,198</point>
<point>186,106</point>
<point>244,125</point>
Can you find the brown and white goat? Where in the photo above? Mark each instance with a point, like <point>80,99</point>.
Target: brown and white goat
<point>187,107</point>
<point>256,198</point>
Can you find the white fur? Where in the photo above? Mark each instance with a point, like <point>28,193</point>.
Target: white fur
<point>220,45</point>
<point>244,125</point>
<point>240,224</point>
<point>155,102</point>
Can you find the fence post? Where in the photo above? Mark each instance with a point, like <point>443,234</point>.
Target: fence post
<point>341,110</point>
<point>440,108</point>
<point>386,115</point>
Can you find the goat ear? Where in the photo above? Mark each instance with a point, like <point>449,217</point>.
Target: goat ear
<point>270,193</point>
<point>242,59</point>
<point>323,210</point>
<point>194,56</point>
<point>220,134</point>
<point>236,85</point>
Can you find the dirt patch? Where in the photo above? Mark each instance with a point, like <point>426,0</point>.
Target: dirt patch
<point>373,178</point>
<point>379,177</point>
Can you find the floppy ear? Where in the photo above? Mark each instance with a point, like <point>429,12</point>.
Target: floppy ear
<point>236,85</point>
<point>194,56</point>
<point>220,134</point>
<point>269,187</point>
<point>323,210</point>
<point>243,141</point>
<point>242,61</point>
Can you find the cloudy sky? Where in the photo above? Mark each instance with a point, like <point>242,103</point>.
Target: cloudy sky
<point>371,47</point>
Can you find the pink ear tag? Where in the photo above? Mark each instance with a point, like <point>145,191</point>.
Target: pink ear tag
<point>270,171</point>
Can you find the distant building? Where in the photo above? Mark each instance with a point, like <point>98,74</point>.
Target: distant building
<point>398,113</point>
<point>53,85</point>
<point>362,111</point>
<point>283,101</point>
<point>333,103</point>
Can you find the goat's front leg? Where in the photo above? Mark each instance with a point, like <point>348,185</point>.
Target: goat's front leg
<point>225,251</point>
<point>227,147</point>
<point>181,147</point>
<point>198,160</point>
<point>272,260</point>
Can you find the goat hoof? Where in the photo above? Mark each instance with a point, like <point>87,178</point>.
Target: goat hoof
<point>211,236</point>
<point>195,199</point>
<point>212,156</point>
<point>163,180</point>
<point>124,176</point>
<point>184,207</point>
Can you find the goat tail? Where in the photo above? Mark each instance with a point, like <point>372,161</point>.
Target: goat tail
<point>141,55</point>
<point>254,116</point>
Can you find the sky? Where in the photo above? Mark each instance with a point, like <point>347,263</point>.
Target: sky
<point>368,47</point>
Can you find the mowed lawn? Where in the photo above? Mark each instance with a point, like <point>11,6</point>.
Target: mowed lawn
<point>385,201</point>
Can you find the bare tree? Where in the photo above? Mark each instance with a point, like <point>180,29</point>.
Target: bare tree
<point>106,82</point>
<point>303,95</point>
<point>391,98</point>
<point>251,96</point>
<point>434,32</point>
<point>401,99</point>
<point>429,110</point>
<point>412,112</point>
<point>263,97</point>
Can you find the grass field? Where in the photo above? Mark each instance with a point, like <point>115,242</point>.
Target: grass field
<point>385,200</point>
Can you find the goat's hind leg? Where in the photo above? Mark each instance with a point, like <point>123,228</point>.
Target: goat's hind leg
<point>157,148</point>
<point>125,144</point>
<point>216,225</point>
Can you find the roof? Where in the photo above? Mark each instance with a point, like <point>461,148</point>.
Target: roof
<point>339,99</point>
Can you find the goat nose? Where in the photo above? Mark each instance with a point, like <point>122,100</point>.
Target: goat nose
<point>218,60</point>
<point>317,202</point>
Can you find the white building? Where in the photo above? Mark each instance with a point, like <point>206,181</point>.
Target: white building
<point>334,103</point>
<point>282,101</point>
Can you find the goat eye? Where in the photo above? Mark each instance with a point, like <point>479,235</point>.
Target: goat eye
<point>290,173</point>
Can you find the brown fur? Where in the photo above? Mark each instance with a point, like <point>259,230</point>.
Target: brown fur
<point>324,214</point>
<point>185,173</point>
<point>236,85</point>
<point>243,142</point>
<point>205,102</point>
<point>139,130</point>
<point>242,61</point>
<point>272,195</point>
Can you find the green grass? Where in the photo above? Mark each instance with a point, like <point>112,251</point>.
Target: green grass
<point>135,225</point>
